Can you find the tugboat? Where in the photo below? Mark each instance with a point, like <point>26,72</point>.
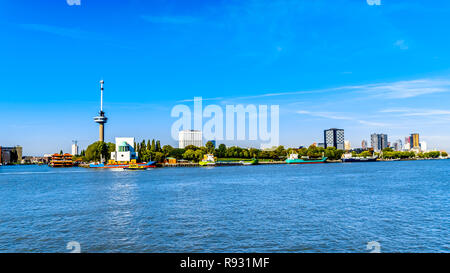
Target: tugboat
<point>293,159</point>
<point>208,160</point>
<point>135,167</point>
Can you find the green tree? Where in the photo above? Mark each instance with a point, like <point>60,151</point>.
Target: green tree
<point>209,147</point>
<point>153,148</point>
<point>222,150</point>
<point>191,147</point>
<point>97,151</point>
<point>148,145</point>
<point>167,150</point>
<point>111,148</point>
<point>158,146</point>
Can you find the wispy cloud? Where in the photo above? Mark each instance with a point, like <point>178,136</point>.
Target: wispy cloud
<point>393,90</point>
<point>410,112</point>
<point>406,89</point>
<point>327,115</point>
<point>401,44</point>
<point>61,31</point>
<point>170,19</point>
<point>340,116</point>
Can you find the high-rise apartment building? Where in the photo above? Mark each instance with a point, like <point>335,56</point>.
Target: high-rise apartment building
<point>334,138</point>
<point>414,141</point>
<point>379,142</point>
<point>190,137</point>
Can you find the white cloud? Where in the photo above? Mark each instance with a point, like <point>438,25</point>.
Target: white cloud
<point>170,19</point>
<point>339,116</point>
<point>401,44</point>
<point>328,115</point>
<point>406,89</point>
<point>410,112</point>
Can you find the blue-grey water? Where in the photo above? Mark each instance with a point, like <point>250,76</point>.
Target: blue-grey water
<point>404,206</point>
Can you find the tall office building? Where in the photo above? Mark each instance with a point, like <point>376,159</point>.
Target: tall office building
<point>189,137</point>
<point>334,138</point>
<point>379,141</point>
<point>75,148</point>
<point>414,141</point>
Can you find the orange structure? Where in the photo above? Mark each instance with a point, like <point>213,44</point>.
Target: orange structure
<point>64,160</point>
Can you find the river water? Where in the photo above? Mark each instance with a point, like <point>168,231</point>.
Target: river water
<point>402,206</point>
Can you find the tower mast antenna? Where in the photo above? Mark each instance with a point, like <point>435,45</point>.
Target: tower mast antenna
<point>101,119</point>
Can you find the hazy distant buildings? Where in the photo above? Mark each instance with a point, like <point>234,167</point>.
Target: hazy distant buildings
<point>364,144</point>
<point>189,137</point>
<point>379,142</point>
<point>423,146</point>
<point>347,145</point>
<point>334,138</point>
<point>398,145</point>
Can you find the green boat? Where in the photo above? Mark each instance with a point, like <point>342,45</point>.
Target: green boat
<point>234,162</point>
<point>293,159</point>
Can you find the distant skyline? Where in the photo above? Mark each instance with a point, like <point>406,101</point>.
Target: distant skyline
<point>328,64</point>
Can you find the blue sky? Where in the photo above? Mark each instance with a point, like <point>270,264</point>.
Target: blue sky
<point>343,64</point>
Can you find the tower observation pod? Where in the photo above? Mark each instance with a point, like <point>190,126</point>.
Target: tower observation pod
<point>101,119</point>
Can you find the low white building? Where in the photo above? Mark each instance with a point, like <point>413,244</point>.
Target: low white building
<point>190,137</point>
<point>124,149</point>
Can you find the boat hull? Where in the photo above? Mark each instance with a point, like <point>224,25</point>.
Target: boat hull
<point>349,160</point>
<point>306,161</point>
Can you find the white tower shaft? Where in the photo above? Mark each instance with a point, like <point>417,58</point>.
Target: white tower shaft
<point>101,95</point>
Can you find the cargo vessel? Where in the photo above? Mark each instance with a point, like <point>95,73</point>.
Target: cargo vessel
<point>293,159</point>
<point>347,158</point>
<point>231,162</point>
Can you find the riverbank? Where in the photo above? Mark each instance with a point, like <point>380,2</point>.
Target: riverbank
<point>261,162</point>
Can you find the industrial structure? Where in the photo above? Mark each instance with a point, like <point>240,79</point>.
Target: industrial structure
<point>10,155</point>
<point>101,119</point>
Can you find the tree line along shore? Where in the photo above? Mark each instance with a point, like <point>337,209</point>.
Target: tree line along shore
<point>153,151</point>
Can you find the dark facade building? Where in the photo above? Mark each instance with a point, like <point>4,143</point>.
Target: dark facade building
<point>10,155</point>
<point>334,138</point>
<point>379,142</point>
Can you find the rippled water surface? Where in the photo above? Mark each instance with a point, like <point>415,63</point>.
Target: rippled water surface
<point>405,206</point>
